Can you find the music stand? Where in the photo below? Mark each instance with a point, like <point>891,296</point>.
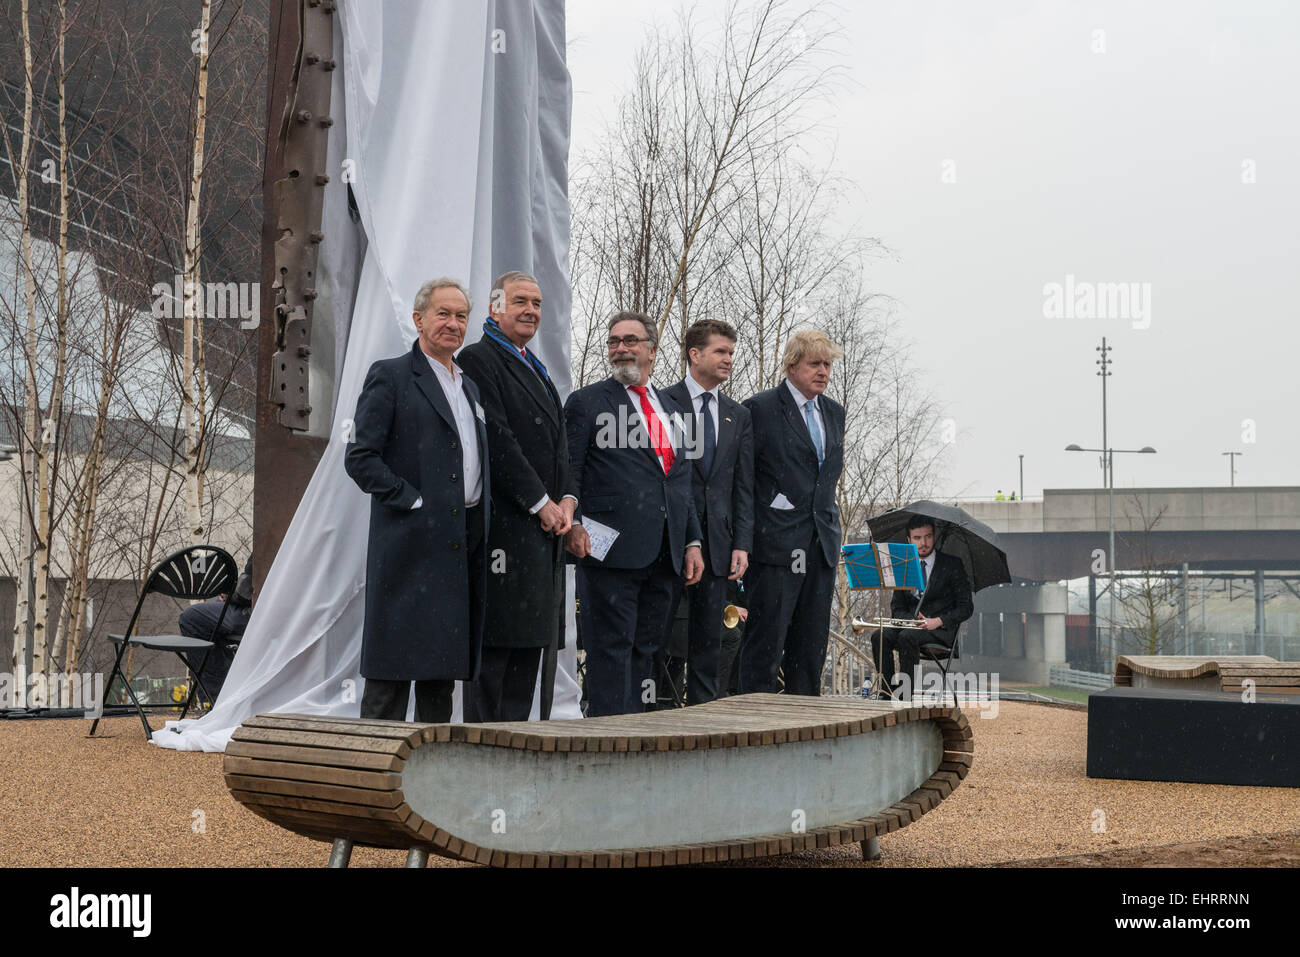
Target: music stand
<point>882,566</point>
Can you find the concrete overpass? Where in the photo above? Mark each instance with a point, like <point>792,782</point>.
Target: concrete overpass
<point>1222,529</point>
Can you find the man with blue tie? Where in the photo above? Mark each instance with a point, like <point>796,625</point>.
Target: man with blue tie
<point>722,483</point>
<point>798,458</point>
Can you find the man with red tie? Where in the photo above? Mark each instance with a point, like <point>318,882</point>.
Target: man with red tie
<point>636,534</point>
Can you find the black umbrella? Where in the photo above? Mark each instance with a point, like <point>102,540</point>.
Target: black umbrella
<point>955,533</point>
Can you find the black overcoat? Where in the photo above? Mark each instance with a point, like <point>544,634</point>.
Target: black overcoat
<point>529,459</point>
<point>421,621</point>
<point>785,463</point>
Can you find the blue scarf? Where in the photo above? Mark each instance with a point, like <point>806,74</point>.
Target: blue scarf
<point>493,332</point>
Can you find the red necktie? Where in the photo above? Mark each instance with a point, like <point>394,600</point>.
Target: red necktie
<point>658,436</point>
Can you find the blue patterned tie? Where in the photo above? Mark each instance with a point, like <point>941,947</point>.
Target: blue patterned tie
<point>810,417</point>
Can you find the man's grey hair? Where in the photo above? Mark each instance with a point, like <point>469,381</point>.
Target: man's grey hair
<point>444,282</point>
<point>499,287</point>
<point>652,333</point>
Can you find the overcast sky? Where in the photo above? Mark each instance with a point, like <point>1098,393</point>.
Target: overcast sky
<point>998,147</point>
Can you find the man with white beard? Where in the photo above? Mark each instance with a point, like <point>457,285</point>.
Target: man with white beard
<point>632,468</point>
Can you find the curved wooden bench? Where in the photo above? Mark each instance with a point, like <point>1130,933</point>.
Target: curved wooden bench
<point>1223,673</point>
<point>747,776</point>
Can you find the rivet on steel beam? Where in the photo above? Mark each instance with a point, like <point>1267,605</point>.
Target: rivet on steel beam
<point>304,352</point>
<point>322,179</point>
<point>312,59</point>
<point>316,236</point>
<point>309,294</point>
<point>329,6</point>
<point>304,116</point>
<point>328,65</point>
<point>327,121</point>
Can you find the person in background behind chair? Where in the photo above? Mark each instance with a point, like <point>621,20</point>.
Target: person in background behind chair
<point>732,638</point>
<point>197,621</point>
<point>722,484</point>
<point>421,452</point>
<point>941,606</point>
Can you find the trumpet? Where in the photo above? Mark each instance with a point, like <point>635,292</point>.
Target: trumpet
<point>730,616</point>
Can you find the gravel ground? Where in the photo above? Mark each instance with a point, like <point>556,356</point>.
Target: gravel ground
<point>114,800</point>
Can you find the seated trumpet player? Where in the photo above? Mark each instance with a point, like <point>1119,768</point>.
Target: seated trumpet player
<point>939,607</point>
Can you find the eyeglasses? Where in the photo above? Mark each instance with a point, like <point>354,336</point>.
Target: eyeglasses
<point>629,342</point>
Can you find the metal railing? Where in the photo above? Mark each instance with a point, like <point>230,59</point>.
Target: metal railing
<point>1065,677</point>
<point>850,666</point>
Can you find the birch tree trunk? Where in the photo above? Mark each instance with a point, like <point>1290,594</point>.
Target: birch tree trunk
<point>193,398</point>
<point>72,614</point>
<point>54,411</point>
<point>31,412</point>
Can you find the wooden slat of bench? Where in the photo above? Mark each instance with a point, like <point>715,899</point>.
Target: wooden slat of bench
<point>315,739</point>
<point>327,827</point>
<point>412,734</point>
<point>328,792</point>
<point>331,757</point>
<point>375,780</point>
<point>397,815</point>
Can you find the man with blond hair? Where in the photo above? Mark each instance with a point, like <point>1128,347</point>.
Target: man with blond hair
<point>798,457</point>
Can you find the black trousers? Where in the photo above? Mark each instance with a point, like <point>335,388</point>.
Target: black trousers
<point>728,673</point>
<point>197,621</point>
<point>625,618</point>
<point>705,601</point>
<point>907,642</point>
<point>387,699</point>
<point>788,626</point>
<point>505,685</point>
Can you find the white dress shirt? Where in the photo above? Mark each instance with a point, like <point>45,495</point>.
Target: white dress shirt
<point>462,410</point>
<point>927,566</point>
<point>653,395</point>
<point>801,400</point>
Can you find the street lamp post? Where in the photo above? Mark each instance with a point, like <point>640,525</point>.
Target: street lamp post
<point>1232,466</point>
<point>1022,477</point>
<point>1108,460</point>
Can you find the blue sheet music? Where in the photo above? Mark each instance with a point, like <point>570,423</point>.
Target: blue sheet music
<point>882,565</point>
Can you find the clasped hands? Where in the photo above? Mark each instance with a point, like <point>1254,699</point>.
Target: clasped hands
<point>556,518</point>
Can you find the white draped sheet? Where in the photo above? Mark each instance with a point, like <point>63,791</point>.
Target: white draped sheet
<point>454,115</point>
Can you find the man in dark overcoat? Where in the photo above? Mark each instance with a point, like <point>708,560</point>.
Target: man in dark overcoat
<point>420,450</point>
<point>533,499</point>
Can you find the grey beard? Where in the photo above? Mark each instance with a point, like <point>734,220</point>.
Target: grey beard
<point>626,373</point>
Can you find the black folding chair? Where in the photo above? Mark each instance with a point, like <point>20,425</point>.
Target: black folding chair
<point>942,656</point>
<point>197,573</point>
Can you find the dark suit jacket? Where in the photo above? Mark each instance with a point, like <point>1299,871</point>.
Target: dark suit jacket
<point>620,481</point>
<point>420,622</point>
<point>724,499</point>
<point>529,458</point>
<point>785,463</point>
<point>947,596</point>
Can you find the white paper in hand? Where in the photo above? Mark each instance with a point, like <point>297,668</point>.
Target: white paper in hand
<point>601,537</point>
<point>781,502</point>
